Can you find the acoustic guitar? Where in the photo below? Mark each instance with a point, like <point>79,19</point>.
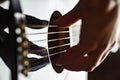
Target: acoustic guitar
<point>35,59</point>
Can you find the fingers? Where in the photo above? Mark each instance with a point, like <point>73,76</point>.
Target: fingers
<point>75,61</point>
<point>71,54</point>
<point>69,18</point>
<point>66,20</point>
<point>79,67</point>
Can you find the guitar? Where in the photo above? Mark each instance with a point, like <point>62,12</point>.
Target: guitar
<point>56,42</point>
<point>43,53</point>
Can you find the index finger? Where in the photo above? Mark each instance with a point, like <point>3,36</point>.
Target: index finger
<point>69,18</point>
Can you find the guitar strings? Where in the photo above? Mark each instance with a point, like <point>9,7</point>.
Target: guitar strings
<point>58,32</point>
<point>53,46</point>
<point>40,50</point>
<point>58,46</point>
<point>37,26</point>
<point>49,55</point>
<point>58,39</point>
<point>51,40</point>
<point>47,33</point>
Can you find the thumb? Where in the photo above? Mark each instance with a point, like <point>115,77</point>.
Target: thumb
<point>66,20</point>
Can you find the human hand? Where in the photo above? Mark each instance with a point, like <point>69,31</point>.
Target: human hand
<point>97,35</point>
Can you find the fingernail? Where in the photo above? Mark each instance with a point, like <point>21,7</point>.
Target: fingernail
<point>58,64</point>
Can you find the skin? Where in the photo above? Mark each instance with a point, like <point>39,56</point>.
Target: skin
<point>97,36</point>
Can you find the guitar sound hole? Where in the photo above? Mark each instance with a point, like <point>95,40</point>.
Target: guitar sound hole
<point>57,42</point>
